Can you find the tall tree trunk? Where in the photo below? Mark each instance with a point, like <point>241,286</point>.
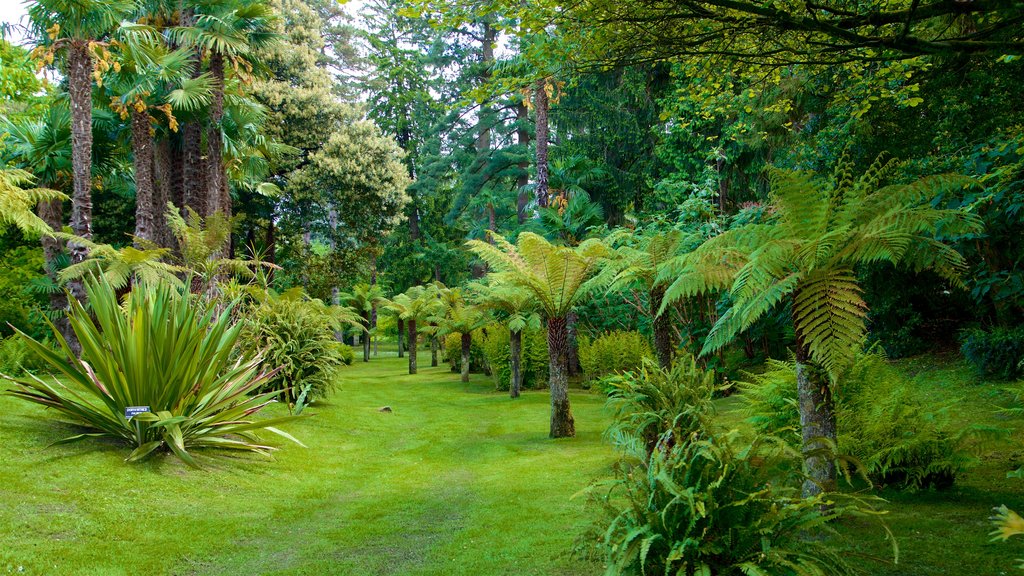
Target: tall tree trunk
<point>515,348</point>
<point>80,91</point>
<point>366,337</point>
<point>53,214</point>
<point>467,344</point>
<point>401,328</point>
<point>573,363</point>
<point>163,169</point>
<point>413,345</point>
<point>540,102</point>
<point>523,139</point>
<point>215,177</point>
<point>662,327</point>
<point>817,423</point>
<point>433,350</point>
<point>562,423</point>
<point>142,162</point>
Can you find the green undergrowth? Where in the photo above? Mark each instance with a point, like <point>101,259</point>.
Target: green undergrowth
<point>457,479</point>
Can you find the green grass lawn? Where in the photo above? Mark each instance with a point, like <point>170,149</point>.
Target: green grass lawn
<point>457,479</point>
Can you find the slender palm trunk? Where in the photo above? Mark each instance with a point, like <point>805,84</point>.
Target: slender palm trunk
<point>142,160</point>
<point>662,325</point>
<point>541,105</point>
<point>413,337</point>
<point>523,139</point>
<point>162,192</point>
<point>366,337</point>
<point>53,214</point>
<point>401,328</point>
<point>433,349</point>
<point>80,91</point>
<point>562,423</point>
<point>817,423</point>
<point>216,186</point>
<point>467,343</point>
<point>515,348</point>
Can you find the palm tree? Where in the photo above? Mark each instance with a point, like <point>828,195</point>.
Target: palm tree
<point>147,74</point>
<point>516,309</point>
<point>805,254</point>
<point>78,28</point>
<point>638,260</point>
<point>557,277</point>
<point>229,31</point>
<point>415,305</point>
<point>364,298</point>
<point>455,315</point>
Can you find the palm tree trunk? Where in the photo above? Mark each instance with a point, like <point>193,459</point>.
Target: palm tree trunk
<point>562,423</point>
<point>467,343</point>
<point>215,177</point>
<point>366,337</point>
<point>573,363</point>
<point>80,91</point>
<point>401,328</point>
<point>515,348</point>
<point>53,214</point>
<point>522,139</point>
<point>541,104</point>
<point>142,160</point>
<point>817,423</point>
<point>433,349</point>
<point>162,192</point>
<point>662,327</point>
<point>412,345</point>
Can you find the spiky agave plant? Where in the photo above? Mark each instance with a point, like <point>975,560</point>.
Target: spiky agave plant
<point>163,350</point>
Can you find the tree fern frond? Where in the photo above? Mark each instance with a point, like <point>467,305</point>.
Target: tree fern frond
<point>829,317</point>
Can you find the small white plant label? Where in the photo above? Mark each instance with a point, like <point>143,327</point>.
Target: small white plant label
<point>132,411</point>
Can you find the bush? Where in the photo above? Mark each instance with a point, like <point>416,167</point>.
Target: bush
<point>997,353</point>
<point>16,358</point>
<point>452,352</point>
<point>897,438</point>
<point>613,352</point>
<point>296,337</point>
<point>164,350</point>
<point>700,502</point>
<point>651,401</point>
<point>348,355</point>
<point>533,361</point>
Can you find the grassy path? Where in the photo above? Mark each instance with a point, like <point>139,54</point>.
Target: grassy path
<point>457,479</point>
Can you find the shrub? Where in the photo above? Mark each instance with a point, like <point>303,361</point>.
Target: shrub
<point>699,502</point>
<point>164,350</point>
<point>16,358</point>
<point>653,400</point>
<point>613,352</point>
<point>347,354</point>
<point>896,438</point>
<point>533,361</point>
<point>997,353</point>
<point>295,335</point>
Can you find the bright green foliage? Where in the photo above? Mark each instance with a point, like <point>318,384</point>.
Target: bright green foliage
<point>452,350</point>
<point>1007,524</point>
<point>16,358</point>
<point>995,353</point>
<point>509,304</point>
<point>895,436</point>
<point>697,502</point>
<point>613,352</point>
<point>806,249</point>
<point>164,350</point>
<point>295,337</point>
<point>534,357</point>
<point>555,275</point>
<point>652,400</point>
<point>455,314</point>
<point>119,266</point>
<point>17,203</point>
